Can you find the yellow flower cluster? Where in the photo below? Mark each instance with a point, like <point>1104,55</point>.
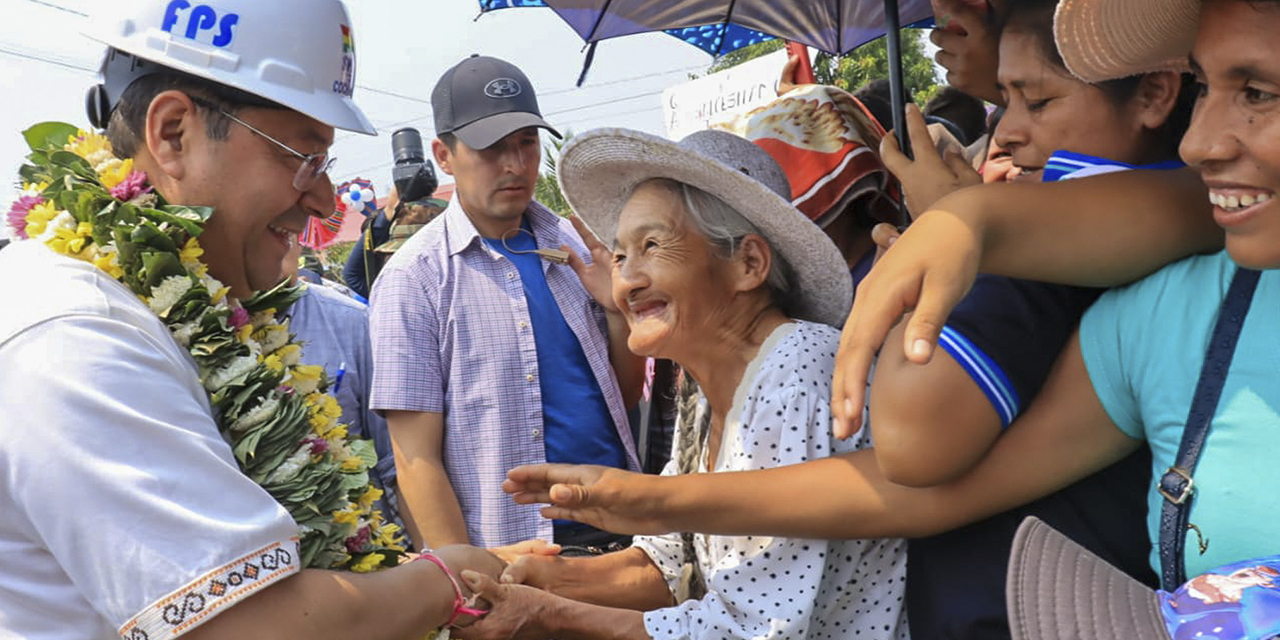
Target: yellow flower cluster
<point>39,217</point>
<point>94,148</point>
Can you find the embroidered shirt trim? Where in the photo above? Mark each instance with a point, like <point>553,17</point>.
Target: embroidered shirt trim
<point>213,592</point>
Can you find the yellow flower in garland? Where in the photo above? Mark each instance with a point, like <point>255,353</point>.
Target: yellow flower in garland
<point>370,562</point>
<point>305,378</point>
<point>191,252</point>
<point>370,496</point>
<point>88,144</point>
<point>109,262</point>
<point>114,171</point>
<point>350,515</point>
<point>39,218</point>
<point>387,535</point>
<point>273,363</point>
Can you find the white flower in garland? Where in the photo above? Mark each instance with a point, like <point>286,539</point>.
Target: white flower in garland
<point>63,220</point>
<point>168,293</point>
<point>291,466</point>
<point>257,415</point>
<point>236,368</point>
<point>185,331</point>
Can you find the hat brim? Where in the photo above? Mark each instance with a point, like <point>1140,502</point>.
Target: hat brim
<point>599,169</point>
<point>1058,590</point>
<point>1108,39</point>
<point>485,132</point>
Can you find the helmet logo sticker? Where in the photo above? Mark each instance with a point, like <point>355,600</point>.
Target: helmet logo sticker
<point>502,88</point>
<point>201,19</point>
<point>347,83</point>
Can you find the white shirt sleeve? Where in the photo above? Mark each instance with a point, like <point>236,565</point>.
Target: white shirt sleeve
<point>116,468</point>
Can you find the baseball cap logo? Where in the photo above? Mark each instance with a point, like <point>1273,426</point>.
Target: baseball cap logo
<point>502,88</point>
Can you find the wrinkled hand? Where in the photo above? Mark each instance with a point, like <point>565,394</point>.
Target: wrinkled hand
<point>930,176</point>
<point>517,612</point>
<point>969,47</point>
<point>596,277</point>
<point>787,81</point>
<point>603,497</point>
<point>931,267</point>
<point>533,570</point>
<point>535,547</point>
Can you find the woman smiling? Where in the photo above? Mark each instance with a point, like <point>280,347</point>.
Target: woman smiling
<point>714,269</point>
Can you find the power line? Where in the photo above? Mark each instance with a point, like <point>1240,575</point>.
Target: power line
<point>550,114</point>
<point>601,104</point>
<point>19,54</point>
<point>59,7</point>
<point>542,94</point>
<point>385,165</point>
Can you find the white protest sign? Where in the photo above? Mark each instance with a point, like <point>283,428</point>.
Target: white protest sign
<point>694,105</point>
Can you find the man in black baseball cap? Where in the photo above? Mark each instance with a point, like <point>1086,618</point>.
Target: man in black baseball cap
<point>492,348</point>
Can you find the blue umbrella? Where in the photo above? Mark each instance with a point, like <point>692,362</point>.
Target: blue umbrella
<point>721,26</point>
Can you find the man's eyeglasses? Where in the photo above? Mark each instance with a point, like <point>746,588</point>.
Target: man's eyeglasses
<point>313,164</point>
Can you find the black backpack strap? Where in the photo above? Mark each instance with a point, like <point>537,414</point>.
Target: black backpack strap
<point>1176,485</point>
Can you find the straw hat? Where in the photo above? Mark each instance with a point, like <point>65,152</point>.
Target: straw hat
<point>1107,39</point>
<point>599,169</point>
<point>1058,590</point>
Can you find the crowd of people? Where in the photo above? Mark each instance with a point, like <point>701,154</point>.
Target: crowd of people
<point>196,441</point>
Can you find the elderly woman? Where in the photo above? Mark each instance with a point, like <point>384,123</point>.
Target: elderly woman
<point>714,269</point>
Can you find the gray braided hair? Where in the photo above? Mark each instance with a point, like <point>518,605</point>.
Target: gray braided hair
<point>693,422</point>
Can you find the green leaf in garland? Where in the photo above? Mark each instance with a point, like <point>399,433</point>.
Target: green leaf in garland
<point>49,134</point>
<point>77,167</point>
<point>159,266</point>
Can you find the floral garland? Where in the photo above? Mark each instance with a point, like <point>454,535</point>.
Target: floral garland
<point>80,200</point>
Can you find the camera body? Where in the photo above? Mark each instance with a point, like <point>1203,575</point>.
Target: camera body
<point>413,175</point>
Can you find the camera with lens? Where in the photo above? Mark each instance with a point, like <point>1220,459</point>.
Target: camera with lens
<point>413,175</point>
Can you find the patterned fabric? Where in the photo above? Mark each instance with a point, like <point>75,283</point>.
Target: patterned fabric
<point>781,588</point>
<point>213,593</point>
<point>827,144</point>
<point>1239,601</point>
<point>451,334</point>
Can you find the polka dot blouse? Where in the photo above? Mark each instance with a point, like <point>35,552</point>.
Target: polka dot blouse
<point>775,588</point>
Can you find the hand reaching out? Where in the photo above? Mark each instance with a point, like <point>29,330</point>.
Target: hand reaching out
<point>603,497</point>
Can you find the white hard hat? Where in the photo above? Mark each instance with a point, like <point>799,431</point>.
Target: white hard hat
<point>297,53</point>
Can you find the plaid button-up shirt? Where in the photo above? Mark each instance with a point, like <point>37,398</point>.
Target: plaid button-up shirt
<point>451,334</point>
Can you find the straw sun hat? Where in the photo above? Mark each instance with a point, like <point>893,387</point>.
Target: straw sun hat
<point>1107,39</point>
<point>599,169</point>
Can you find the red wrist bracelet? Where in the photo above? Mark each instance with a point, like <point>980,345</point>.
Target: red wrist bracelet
<point>460,604</point>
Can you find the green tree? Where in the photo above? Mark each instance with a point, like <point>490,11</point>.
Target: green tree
<point>860,66</point>
<point>547,190</point>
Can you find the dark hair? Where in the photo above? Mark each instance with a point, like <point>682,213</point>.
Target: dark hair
<point>878,99</point>
<point>1035,18</point>
<point>125,129</point>
<point>960,108</point>
<point>449,140</point>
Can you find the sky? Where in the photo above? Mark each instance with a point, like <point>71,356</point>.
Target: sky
<point>402,48</point>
